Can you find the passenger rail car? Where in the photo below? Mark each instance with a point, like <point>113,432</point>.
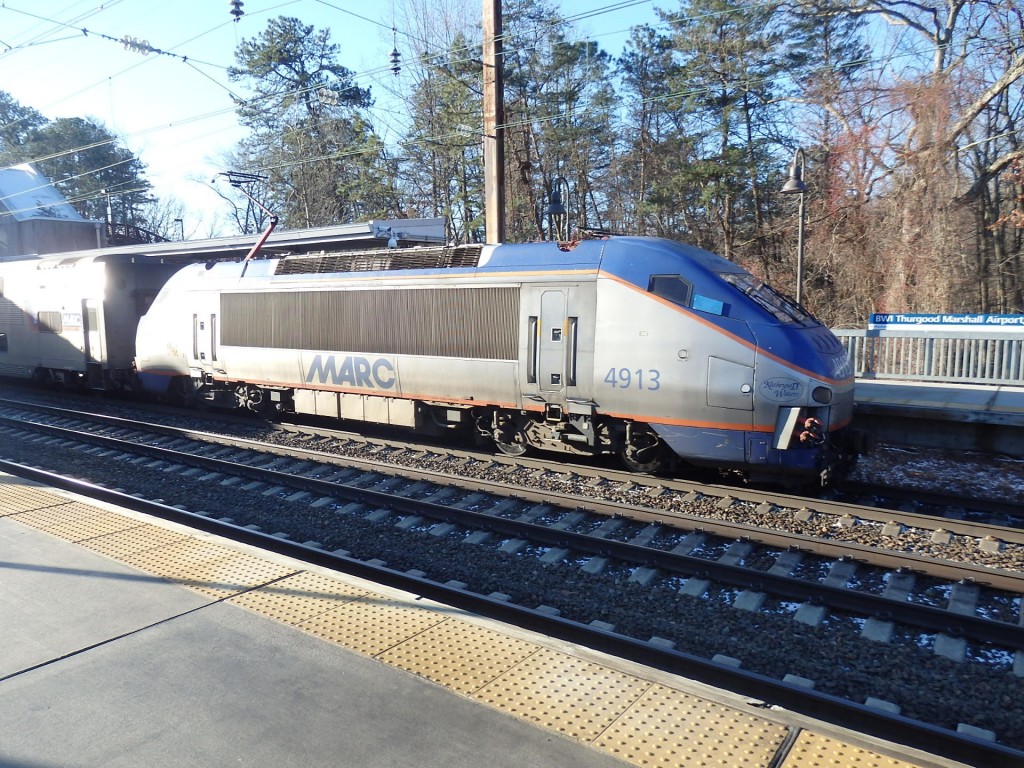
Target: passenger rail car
<point>71,320</point>
<point>643,347</point>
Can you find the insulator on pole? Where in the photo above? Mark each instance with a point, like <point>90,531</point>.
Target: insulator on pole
<point>396,57</point>
<point>135,45</point>
<point>236,8</point>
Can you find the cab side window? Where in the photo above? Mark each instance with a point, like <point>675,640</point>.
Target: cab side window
<point>671,287</point>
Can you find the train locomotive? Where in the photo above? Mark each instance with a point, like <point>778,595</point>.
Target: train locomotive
<point>647,348</point>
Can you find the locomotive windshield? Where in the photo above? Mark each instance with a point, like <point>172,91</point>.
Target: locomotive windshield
<point>782,307</point>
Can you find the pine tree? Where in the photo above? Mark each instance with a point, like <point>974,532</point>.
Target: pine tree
<point>97,175</point>
<point>16,124</point>
<point>309,132</point>
<point>727,68</point>
<point>560,111</point>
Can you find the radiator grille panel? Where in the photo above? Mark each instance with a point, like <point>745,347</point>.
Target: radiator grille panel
<point>467,322</point>
<point>11,313</point>
<point>379,259</point>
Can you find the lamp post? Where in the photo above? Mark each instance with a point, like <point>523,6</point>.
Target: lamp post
<point>107,208</point>
<point>557,209</point>
<point>795,186</point>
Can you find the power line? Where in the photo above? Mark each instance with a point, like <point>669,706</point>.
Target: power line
<point>372,72</point>
<point>39,37</point>
<point>127,41</point>
<point>143,46</point>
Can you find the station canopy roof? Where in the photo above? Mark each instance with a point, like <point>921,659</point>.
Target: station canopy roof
<point>26,194</point>
<point>378,233</point>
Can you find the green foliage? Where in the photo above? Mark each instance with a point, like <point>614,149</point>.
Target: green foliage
<point>16,124</point>
<point>309,134</point>
<point>295,76</point>
<point>86,162</point>
<point>560,107</point>
<point>687,135</point>
<point>722,76</point>
<point>442,166</point>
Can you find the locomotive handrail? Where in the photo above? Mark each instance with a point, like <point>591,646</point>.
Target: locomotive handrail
<point>956,357</point>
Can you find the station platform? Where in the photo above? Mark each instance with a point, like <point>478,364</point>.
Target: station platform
<point>939,415</point>
<point>129,641</point>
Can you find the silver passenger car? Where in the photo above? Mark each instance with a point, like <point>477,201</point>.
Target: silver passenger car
<point>71,319</point>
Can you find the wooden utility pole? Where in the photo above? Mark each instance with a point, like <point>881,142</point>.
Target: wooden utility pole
<point>494,125</point>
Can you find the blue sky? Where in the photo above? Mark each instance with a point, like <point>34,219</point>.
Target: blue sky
<point>174,111</point>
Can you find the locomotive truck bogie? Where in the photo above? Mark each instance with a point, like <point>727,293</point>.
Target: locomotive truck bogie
<point>514,433</point>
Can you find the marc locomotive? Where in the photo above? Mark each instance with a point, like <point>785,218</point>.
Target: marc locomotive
<point>646,348</point>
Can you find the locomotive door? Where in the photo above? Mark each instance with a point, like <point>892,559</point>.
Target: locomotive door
<point>92,344</point>
<point>550,344</point>
<point>204,341</point>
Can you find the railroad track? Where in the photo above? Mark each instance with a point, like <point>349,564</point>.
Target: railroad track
<point>397,449</point>
<point>675,551</point>
<point>844,528</point>
<point>1008,513</point>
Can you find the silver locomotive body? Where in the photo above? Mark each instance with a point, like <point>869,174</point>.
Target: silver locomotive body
<point>637,346</point>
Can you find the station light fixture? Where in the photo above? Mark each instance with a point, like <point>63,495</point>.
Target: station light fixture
<point>795,185</point>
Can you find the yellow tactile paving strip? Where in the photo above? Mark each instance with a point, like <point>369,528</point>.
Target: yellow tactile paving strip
<point>811,749</point>
<point>483,653</point>
<point>299,597</point>
<point>130,544</point>
<point>565,694</point>
<point>74,522</point>
<point>642,722</point>
<point>665,728</point>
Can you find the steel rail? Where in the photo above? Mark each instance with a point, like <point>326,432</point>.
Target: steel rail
<point>916,496</point>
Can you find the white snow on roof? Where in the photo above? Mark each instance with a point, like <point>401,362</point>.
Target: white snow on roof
<point>26,194</point>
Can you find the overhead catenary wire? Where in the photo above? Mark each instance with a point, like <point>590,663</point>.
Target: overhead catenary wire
<point>192,61</point>
<point>162,52</point>
<point>373,72</point>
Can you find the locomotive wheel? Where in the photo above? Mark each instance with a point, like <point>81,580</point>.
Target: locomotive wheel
<point>255,400</point>
<point>512,442</point>
<point>645,453</point>
<point>634,463</point>
<point>511,449</point>
<point>510,438</point>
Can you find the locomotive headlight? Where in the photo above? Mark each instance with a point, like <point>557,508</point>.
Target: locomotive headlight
<point>822,395</point>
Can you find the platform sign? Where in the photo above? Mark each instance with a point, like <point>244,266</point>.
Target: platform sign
<point>942,322</point>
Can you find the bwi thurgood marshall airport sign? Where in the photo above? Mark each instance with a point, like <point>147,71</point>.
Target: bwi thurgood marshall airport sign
<point>917,322</point>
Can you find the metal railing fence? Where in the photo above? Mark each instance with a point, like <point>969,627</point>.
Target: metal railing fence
<point>962,357</point>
